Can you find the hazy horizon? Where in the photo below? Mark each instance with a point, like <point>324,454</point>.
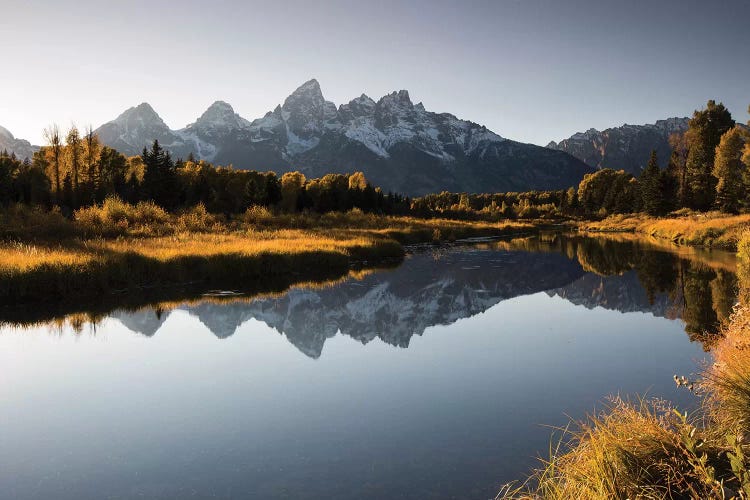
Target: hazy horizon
<point>531,71</point>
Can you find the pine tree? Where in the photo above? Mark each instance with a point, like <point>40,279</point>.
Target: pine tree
<point>704,133</point>
<point>159,176</point>
<point>670,185</point>
<point>651,186</point>
<point>728,170</point>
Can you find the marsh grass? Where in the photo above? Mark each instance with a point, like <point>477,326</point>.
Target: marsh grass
<point>649,450</point>
<point>91,267</point>
<point>712,229</point>
<point>119,247</point>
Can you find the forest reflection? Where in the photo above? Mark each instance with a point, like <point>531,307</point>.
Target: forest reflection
<point>701,285</point>
<point>443,284</point>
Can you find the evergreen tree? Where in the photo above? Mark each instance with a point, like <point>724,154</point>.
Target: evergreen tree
<point>651,187</point>
<point>670,183</point>
<point>159,176</point>
<point>728,170</point>
<point>677,169</point>
<point>704,133</point>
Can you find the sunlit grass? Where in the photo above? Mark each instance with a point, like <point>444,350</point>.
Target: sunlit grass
<point>705,229</point>
<point>649,450</point>
<point>118,246</point>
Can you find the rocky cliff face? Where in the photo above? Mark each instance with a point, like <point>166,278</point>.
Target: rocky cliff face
<point>623,148</point>
<point>19,147</point>
<point>399,145</point>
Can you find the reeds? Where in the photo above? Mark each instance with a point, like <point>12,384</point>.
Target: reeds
<point>712,229</point>
<point>118,246</point>
<point>649,450</point>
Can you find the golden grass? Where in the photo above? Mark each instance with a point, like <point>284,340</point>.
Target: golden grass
<point>712,229</point>
<point>647,450</point>
<point>21,257</point>
<point>727,380</point>
<point>117,246</point>
<point>630,450</point>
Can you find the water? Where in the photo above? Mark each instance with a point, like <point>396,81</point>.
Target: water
<point>436,379</point>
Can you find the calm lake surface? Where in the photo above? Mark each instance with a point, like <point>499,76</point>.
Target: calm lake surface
<point>436,379</point>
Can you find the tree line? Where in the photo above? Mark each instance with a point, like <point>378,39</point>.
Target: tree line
<point>709,168</point>
<point>74,170</point>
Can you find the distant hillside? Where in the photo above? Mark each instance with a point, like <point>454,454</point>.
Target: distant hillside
<point>399,145</point>
<point>21,148</point>
<point>623,148</point>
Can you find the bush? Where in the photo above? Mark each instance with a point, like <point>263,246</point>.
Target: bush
<point>24,222</point>
<point>257,215</point>
<point>197,219</point>
<point>114,217</point>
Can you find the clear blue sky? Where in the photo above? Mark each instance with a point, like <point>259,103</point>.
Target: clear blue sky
<point>531,70</point>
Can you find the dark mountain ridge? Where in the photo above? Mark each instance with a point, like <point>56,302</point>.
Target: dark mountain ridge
<point>399,145</point>
<point>623,148</point>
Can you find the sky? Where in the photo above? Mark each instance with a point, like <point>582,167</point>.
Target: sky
<point>530,70</point>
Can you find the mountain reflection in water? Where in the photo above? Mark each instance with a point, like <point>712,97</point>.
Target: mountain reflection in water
<point>90,410</point>
<point>440,286</point>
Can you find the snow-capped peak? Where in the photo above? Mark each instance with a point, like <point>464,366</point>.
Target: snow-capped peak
<point>142,113</point>
<point>397,99</point>
<point>307,93</point>
<point>305,118</point>
<point>220,115</point>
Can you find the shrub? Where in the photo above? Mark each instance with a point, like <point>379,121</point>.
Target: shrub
<point>114,217</point>
<point>23,222</point>
<point>257,215</point>
<point>197,219</point>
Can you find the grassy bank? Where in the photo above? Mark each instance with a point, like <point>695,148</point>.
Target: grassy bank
<point>124,248</point>
<point>648,449</point>
<point>712,229</point>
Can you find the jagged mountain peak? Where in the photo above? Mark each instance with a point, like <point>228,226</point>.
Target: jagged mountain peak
<point>399,145</point>
<point>399,98</point>
<point>220,114</point>
<point>362,106</point>
<point>364,99</point>
<point>308,92</point>
<point>143,113</point>
<point>307,115</point>
<point>20,147</point>
<point>220,107</point>
<point>311,85</point>
<point>627,147</point>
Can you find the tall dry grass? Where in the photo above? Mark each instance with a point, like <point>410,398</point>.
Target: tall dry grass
<point>118,246</point>
<point>649,450</point>
<point>712,229</point>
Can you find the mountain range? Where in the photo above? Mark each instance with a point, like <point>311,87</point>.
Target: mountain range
<point>395,305</point>
<point>19,147</point>
<point>623,148</point>
<point>399,145</point>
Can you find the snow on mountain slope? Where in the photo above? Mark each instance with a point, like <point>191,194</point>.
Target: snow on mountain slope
<point>397,144</point>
